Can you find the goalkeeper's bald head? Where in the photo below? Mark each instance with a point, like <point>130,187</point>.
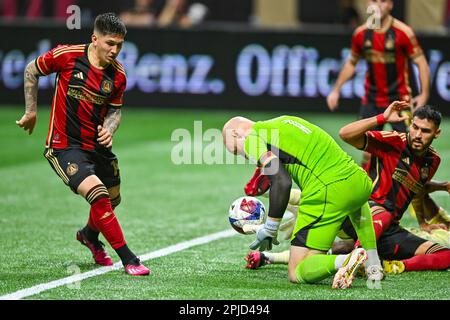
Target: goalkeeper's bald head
<point>234,133</point>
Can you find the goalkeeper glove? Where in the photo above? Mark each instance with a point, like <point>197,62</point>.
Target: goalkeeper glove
<point>267,235</point>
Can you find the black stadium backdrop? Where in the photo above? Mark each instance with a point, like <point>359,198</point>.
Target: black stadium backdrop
<point>226,69</point>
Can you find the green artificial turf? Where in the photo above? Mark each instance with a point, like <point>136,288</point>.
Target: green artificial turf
<point>162,204</point>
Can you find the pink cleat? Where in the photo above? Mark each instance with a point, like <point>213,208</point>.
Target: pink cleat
<point>256,259</point>
<point>99,253</point>
<point>137,270</point>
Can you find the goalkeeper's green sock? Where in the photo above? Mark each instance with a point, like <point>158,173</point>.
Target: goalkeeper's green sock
<point>316,268</point>
<point>363,224</point>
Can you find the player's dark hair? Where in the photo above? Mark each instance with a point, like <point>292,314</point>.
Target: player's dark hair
<point>430,113</point>
<point>109,24</point>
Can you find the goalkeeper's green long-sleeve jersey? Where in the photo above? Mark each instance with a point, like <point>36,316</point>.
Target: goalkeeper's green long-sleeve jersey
<point>309,154</point>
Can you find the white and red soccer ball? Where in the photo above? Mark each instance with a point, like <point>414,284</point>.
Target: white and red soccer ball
<point>246,211</point>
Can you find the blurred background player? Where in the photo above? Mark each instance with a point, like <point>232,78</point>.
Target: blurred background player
<point>387,49</point>
<point>182,13</point>
<point>290,148</point>
<point>86,112</point>
<point>143,13</point>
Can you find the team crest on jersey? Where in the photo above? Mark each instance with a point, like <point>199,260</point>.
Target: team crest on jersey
<point>106,86</point>
<point>424,173</point>
<point>72,168</point>
<point>390,43</point>
<point>368,43</point>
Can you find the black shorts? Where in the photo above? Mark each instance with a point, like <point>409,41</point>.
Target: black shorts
<point>395,243</point>
<point>73,165</point>
<point>371,110</point>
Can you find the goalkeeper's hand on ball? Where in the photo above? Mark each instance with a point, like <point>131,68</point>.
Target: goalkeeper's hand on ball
<point>266,235</point>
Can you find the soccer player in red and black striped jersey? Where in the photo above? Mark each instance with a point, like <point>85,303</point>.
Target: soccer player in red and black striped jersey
<point>387,45</point>
<point>400,166</point>
<point>387,48</point>
<point>85,114</point>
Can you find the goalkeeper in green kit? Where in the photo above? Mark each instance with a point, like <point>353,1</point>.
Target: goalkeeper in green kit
<point>333,187</point>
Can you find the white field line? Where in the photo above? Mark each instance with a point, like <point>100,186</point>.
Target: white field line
<point>20,294</point>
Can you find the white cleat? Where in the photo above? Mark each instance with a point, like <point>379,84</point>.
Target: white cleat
<point>345,275</point>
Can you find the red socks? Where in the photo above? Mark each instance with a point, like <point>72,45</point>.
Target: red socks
<point>106,222</point>
<point>435,261</point>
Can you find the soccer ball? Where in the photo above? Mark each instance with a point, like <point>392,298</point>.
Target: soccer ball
<point>246,211</point>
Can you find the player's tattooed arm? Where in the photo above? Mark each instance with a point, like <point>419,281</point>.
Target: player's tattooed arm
<point>31,81</point>
<point>112,120</point>
<point>110,125</point>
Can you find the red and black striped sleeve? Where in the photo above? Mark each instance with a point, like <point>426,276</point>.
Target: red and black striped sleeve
<point>117,99</point>
<point>56,59</point>
<point>409,41</point>
<point>357,44</point>
<point>379,143</point>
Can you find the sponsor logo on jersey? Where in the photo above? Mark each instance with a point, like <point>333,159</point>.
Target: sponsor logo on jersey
<point>407,180</point>
<point>81,93</point>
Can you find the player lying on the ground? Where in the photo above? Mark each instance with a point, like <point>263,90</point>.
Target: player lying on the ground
<point>343,244</point>
<point>400,167</point>
<point>86,112</point>
<point>290,148</point>
<point>431,216</point>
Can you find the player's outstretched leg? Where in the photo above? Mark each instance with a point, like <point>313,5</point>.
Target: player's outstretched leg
<point>88,236</point>
<point>257,259</point>
<point>103,218</point>
<point>436,257</point>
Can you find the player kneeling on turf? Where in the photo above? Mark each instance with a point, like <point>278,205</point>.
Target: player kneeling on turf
<point>290,148</point>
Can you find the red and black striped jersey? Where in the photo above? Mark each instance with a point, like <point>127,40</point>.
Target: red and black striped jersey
<point>397,173</point>
<point>387,52</point>
<point>83,94</point>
